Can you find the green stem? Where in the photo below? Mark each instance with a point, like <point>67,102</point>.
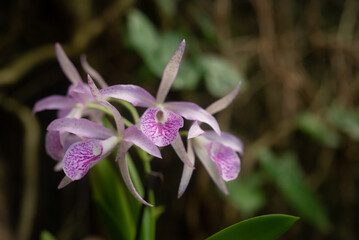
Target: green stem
<point>129,107</point>
<point>105,110</point>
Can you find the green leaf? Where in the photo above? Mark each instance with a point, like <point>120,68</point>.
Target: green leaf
<point>142,34</point>
<point>110,196</point>
<point>267,227</point>
<point>220,76</point>
<point>167,6</point>
<point>316,128</point>
<point>246,194</point>
<point>287,175</point>
<point>45,235</point>
<point>347,120</point>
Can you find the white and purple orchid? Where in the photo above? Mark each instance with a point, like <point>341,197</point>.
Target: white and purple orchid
<point>218,153</point>
<point>78,139</point>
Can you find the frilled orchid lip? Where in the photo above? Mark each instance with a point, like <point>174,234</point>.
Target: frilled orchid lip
<point>161,126</point>
<point>81,156</point>
<point>226,159</point>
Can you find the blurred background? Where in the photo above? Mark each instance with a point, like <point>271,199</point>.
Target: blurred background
<point>297,111</point>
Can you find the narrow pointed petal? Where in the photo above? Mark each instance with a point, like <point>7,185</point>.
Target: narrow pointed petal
<point>121,158</point>
<point>226,139</point>
<point>116,114</point>
<point>222,103</point>
<point>178,146</point>
<point>161,126</point>
<point>195,130</point>
<point>170,73</point>
<point>81,127</point>
<point>54,102</point>
<point>187,171</point>
<point>64,182</point>
<point>226,159</point>
<point>53,145</point>
<point>92,72</point>
<point>80,157</point>
<point>138,96</point>
<point>209,165</point>
<point>192,111</point>
<point>135,136</point>
<point>67,67</point>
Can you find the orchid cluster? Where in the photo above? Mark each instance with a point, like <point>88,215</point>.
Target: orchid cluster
<point>78,139</point>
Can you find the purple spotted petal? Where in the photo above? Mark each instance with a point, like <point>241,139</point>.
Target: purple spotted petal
<point>138,96</point>
<point>80,93</point>
<point>170,73</point>
<point>192,111</point>
<point>67,67</point>
<point>116,114</point>
<point>81,127</point>
<point>121,158</point>
<point>187,171</point>
<point>53,145</point>
<point>92,72</point>
<point>135,136</point>
<point>226,139</point>
<point>195,130</point>
<point>80,157</point>
<point>54,102</point>
<point>222,103</point>
<point>226,159</point>
<point>161,126</point>
<point>208,163</point>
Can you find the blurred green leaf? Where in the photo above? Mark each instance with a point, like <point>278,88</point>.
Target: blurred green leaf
<point>142,34</point>
<point>206,26</point>
<point>110,197</point>
<point>246,194</point>
<point>287,175</point>
<point>219,75</point>
<point>267,227</point>
<point>315,128</point>
<point>347,120</point>
<point>45,235</point>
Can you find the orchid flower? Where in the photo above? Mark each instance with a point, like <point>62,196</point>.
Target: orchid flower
<point>73,105</point>
<point>162,120</point>
<point>218,153</point>
<point>98,142</point>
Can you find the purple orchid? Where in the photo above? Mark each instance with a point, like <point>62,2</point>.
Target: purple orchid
<point>97,142</point>
<point>73,105</point>
<point>162,120</point>
<point>218,153</point>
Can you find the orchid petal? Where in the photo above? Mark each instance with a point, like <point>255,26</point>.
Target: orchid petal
<point>187,171</point>
<point>226,159</point>
<point>53,145</point>
<point>64,182</point>
<point>135,136</point>
<point>160,126</point>
<point>81,127</point>
<point>80,157</point>
<point>226,139</point>
<point>136,95</point>
<point>209,165</point>
<point>67,67</point>
<point>92,72</point>
<point>116,114</point>
<point>54,102</point>
<point>222,103</point>
<point>178,146</point>
<point>192,111</point>
<point>170,73</point>
<point>121,158</point>
<point>195,130</point>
